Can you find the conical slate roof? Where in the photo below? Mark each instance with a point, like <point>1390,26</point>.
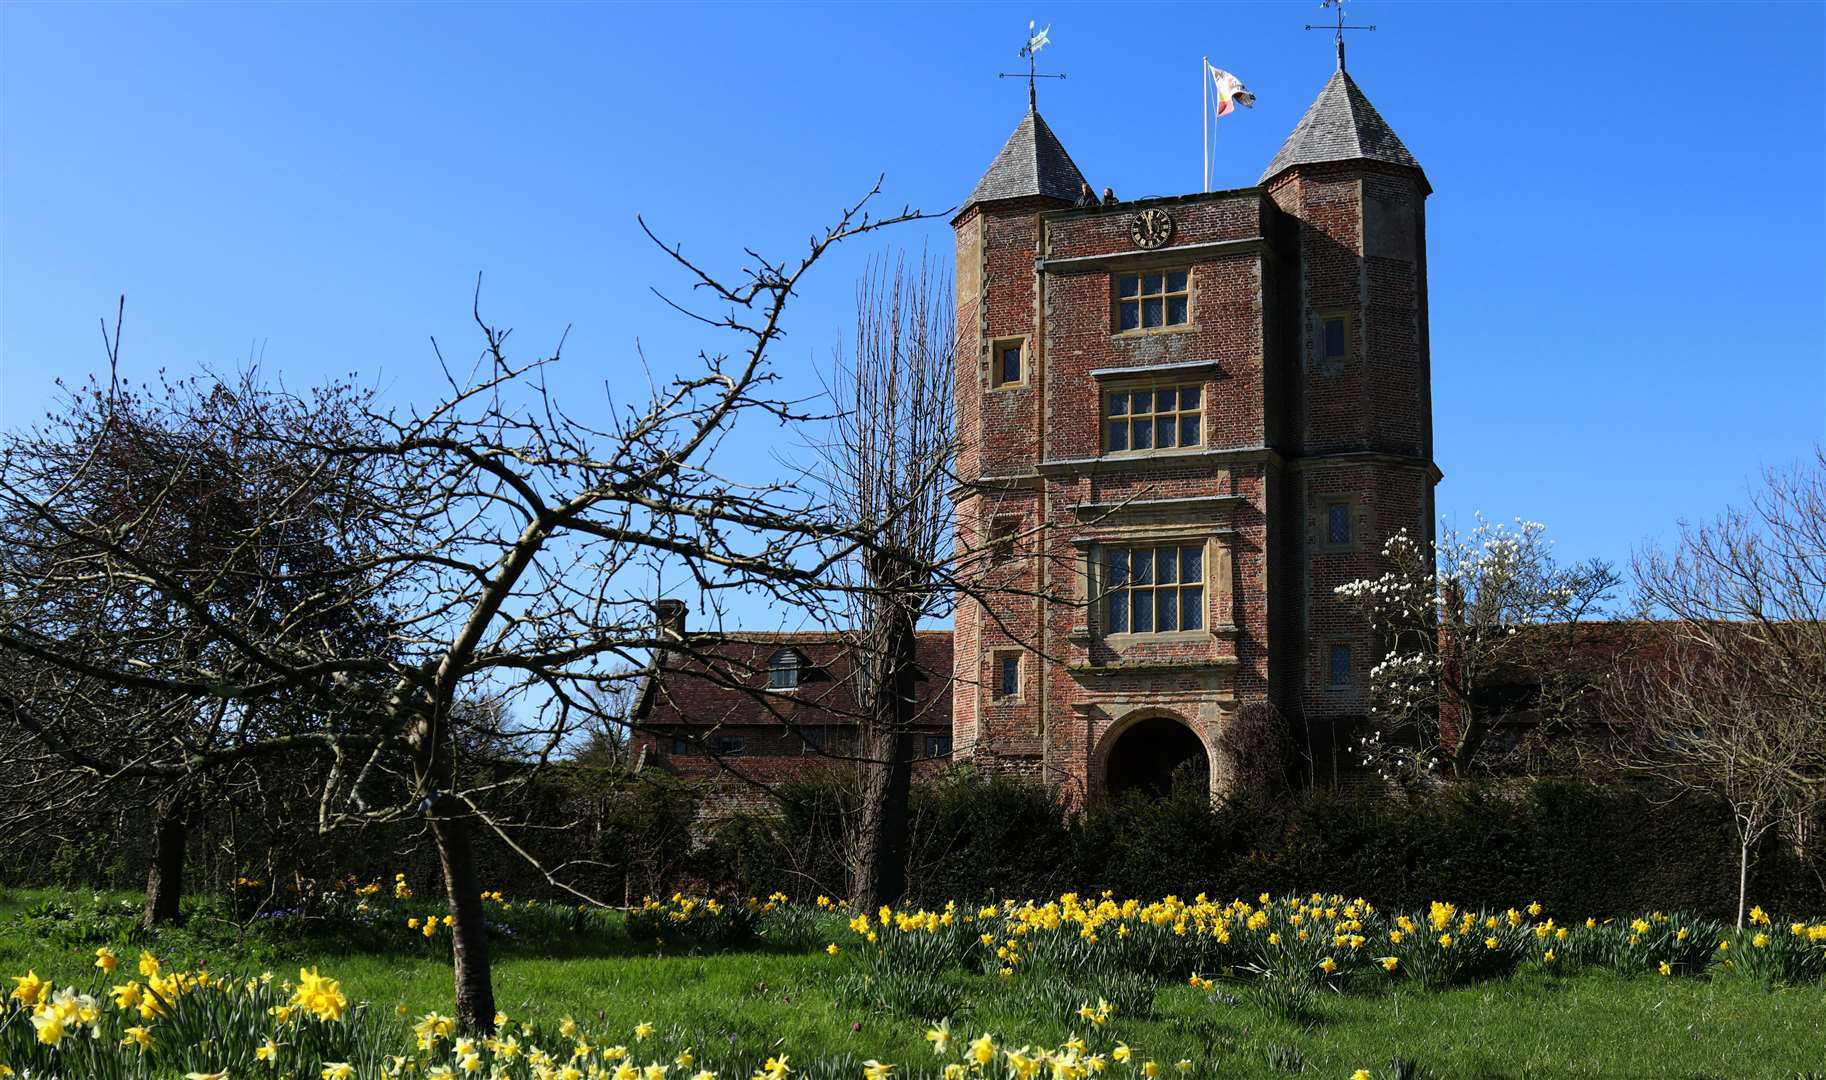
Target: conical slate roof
<point>1032,162</point>
<point>1340,125</point>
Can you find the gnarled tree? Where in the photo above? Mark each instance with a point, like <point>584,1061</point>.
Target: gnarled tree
<point>507,546</point>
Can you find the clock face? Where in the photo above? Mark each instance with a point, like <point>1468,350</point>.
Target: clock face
<point>1151,228</point>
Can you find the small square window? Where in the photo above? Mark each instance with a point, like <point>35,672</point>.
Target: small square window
<point>680,747</point>
<point>1152,301</point>
<point>731,746</point>
<point>1008,363</point>
<point>1337,524</point>
<point>938,746</point>
<point>1339,675</point>
<point>811,738</point>
<point>1008,676</point>
<point>1334,338</point>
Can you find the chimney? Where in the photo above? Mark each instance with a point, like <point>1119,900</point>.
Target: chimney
<point>670,615</point>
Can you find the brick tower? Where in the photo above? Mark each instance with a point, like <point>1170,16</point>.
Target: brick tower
<point>1182,422</point>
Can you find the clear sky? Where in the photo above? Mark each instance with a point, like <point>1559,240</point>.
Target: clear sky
<point>1627,236</point>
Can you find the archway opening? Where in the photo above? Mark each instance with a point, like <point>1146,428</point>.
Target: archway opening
<point>1159,756</point>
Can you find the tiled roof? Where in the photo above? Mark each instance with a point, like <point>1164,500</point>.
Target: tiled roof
<point>1032,162</point>
<point>1340,125</point>
<point>722,679</point>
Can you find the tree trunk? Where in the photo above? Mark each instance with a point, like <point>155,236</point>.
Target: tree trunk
<point>475,993</point>
<point>877,837</point>
<point>1743,879</point>
<point>165,875</point>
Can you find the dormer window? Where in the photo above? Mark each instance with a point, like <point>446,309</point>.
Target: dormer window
<point>783,669</point>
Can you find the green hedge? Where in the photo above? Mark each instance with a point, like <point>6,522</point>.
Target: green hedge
<point>1579,848</point>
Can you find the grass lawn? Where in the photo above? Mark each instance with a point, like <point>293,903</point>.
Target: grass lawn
<point>759,1001</point>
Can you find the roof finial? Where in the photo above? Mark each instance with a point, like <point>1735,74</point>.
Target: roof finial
<point>1036,40</point>
<point>1339,27</point>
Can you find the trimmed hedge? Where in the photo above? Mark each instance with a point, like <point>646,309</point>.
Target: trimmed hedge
<point>1580,848</point>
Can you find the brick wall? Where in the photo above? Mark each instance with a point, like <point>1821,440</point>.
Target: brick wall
<point>1283,438</point>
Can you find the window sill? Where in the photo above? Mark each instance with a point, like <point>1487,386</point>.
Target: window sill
<point>1131,455</point>
<point>1125,335</point>
<point>1157,636</point>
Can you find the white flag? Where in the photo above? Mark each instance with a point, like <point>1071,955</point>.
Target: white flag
<point>1230,91</point>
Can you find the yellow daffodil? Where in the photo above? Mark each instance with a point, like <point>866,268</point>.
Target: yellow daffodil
<point>876,1070</point>
<point>29,988</point>
<point>106,960</point>
<point>337,1070</point>
<point>940,1038</point>
<point>137,1036</point>
<point>643,1029</point>
<point>320,996</point>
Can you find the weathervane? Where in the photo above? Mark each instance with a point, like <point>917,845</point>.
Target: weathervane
<point>1339,27</point>
<point>1036,40</point>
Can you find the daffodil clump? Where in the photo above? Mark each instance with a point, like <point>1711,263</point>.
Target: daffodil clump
<point>1079,1057</point>
<point>206,1027</point>
<point>1319,939</point>
<point>700,921</point>
<point>195,1023</point>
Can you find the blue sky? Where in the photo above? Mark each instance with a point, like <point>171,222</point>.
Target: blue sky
<point>1627,238</point>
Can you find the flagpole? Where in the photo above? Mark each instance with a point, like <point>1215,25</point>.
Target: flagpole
<point>1204,118</point>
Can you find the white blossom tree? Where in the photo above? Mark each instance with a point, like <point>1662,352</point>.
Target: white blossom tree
<point>1481,633</point>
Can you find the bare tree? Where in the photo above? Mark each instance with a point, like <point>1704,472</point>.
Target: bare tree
<point>888,471</point>
<point>1480,631</point>
<point>1731,700</point>
<point>510,546</point>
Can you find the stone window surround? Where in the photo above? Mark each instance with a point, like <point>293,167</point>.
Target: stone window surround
<point>1219,584</point>
<point>996,659</point>
<point>1116,300</point>
<point>1319,504</point>
<point>1333,366</point>
<point>996,345</point>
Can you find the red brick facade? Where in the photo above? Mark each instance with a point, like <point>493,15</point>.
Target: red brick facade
<point>1295,441</point>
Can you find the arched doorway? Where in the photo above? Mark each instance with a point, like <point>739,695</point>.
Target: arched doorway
<point>1159,755</point>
